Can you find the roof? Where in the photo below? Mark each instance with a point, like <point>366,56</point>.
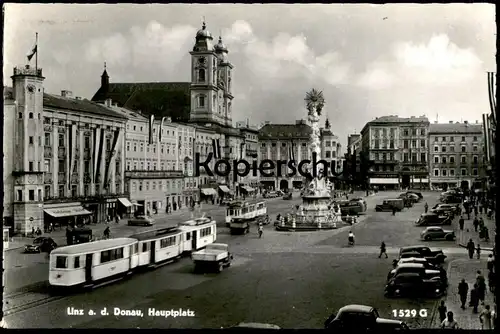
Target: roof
<point>455,128</point>
<point>270,131</point>
<point>411,265</point>
<point>391,119</point>
<point>156,234</point>
<point>356,308</point>
<point>72,104</point>
<point>95,246</point>
<point>170,99</point>
<point>412,247</point>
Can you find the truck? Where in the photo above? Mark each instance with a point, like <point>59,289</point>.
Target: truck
<point>361,318</point>
<point>215,257</point>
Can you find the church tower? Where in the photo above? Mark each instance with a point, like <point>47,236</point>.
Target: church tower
<point>204,90</point>
<point>224,83</point>
<point>28,159</point>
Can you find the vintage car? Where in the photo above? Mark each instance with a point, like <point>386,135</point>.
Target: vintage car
<point>141,221</point>
<point>348,208</point>
<point>433,219</point>
<point>437,233</point>
<point>361,318</point>
<point>390,204</point>
<point>419,194</point>
<point>271,194</point>
<point>420,260</point>
<point>413,284</point>
<point>40,244</point>
<point>435,255</point>
<point>361,202</point>
<point>414,268</point>
<point>444,209</point>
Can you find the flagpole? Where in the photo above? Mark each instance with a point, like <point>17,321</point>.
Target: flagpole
<point>36,53</point>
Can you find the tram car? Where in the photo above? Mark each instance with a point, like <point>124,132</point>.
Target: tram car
<point>197,233</point>
<point>89,263</point>
<point>245,210</point>
<point>101,262</point>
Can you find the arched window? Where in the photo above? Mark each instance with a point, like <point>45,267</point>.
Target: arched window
<point>201,75</point>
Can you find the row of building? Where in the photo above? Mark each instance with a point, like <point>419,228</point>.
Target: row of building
<point>132,146</point>
<point>413,153</point>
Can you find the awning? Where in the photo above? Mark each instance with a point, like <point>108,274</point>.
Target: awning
<point>126,203</point>
<point>208,191</point>
<point>384,181</point>
<point>134,203</point>
<point>224,189</point>
<point>248,189</point>
<point>67,211</point>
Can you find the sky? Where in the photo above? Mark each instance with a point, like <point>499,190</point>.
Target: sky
<point>369,60</point>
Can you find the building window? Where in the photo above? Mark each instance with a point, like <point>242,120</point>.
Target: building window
<point>86,190</point>
<point>475,138</point>
<point>452,148</point>
<point>20,115</point>
<point>422,157</point>
<point>47,138</point>
<point>443,159</point>
<point>443,172</point>
<point>463,138</point>
<point>31,140</point>
<point>140,186</point>
<point>201,75</point>
<point>436,149</point>
<point>147,185</point>
<point>142,147</point>
<point>464,160</point>
<point>405,144</point>
<point>86,141</point>
<point>61,140</point>
<point>128,165</point>
<point>117,167</point>
<point>108,144</point>
<point>135,147</point>
<point>463,149</point>
<point>46,164</point>
<point>74,191</point>
<point>452,172</point>
<point>422,143</point>
<point>464,172</point>
<point>201,101</point>
<point>31,195</point>
<point>327,154</point>
<point>30,115</point>
<point>86,166</point>
<point>474,172</point>
<point>474,148</point>
<point>436,172</point>
<point>149,166</point>
<point>405,157</point>
<point>391,144</point>
<point>452,139</point>
<point>475,160</point>
<point>444,139</point>
<point>61,191</point>
<point>47,191</point>
<point>422,132</point>
<point>61,166</point>
<point>452,160</point>
<point>31,166</point>
<point>414,157</point>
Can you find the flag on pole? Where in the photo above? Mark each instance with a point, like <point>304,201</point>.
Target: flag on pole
<point>291,153</point>
<point>491,94</point>
<point>216,149</point>
<point>33,51</point>
<point>151,124</point>
<point>160,133</point>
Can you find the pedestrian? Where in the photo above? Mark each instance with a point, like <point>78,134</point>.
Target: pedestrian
<point>478,251</point>
<point>492,281</point>
<point>426,207</point>
<point>382,250</point>
<point>476,211</point>
<point>486,234</point>
<point>449,322</point>
<point>491,263</point>
<point>481,286</point>
<point>393,210</point>
<point>474,298</point>
<point>471,248</point>
<point>485,318</point>
<point>463,289</point>
<point>442,311</point>
<point>475,223</point>
<point>461,223</point>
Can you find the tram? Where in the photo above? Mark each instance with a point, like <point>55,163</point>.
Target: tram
<point>99,262</point>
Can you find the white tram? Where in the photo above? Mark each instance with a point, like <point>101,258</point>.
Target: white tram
<point>198,233</point>
<point>85,264</point>
<point>245,210</point>
<point>91,263</point>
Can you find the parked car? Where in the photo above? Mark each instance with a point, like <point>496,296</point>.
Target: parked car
<point>420,260</point>
<point>141,221</point>
<point>436,233</point>
<point>271,194</point>
<point>434,255</point>
<point>451,199</point>
<point>389,204</point>
<point>433,219</point>
<point>419,194</point>
<point>415,268</point>
<point>360,318</point>
<point>411,284</point>
<point>40,244</point>
<point>361,202</point>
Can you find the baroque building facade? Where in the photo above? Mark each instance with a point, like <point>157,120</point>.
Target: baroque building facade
<point>456,154</point>
<point>398,150</point>
<point>66,159</point>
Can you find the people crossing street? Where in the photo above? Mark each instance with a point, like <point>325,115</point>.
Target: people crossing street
<point>471,248</point>
<point>463,289</point>
<point>383,250</point>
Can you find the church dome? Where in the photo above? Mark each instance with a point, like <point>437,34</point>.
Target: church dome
<point>203,32</point>
<point>220,47</point>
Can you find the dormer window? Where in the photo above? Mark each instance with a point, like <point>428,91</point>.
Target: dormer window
<point>201,75</point>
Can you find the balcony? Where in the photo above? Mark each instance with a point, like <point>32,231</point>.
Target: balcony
<point>89,198</point>
<point>251,153</point>
<point>61,153</point>
<point>153,174</point>
<point>27,70</point>
<point>386,161</point>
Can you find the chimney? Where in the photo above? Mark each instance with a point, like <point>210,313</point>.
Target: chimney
<point>108,102</point>
<point>66,93</point>
<point>451,122</point>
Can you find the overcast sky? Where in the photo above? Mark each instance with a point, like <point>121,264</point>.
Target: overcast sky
<point>369,60</point>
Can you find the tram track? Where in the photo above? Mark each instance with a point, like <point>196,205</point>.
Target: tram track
<point>37,299</point>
